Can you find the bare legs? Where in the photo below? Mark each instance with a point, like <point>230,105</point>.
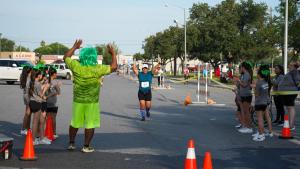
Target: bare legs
<point>27,118</point>
<point>88,135</point>
<point>292,114</point>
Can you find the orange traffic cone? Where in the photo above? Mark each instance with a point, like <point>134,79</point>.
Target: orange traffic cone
<point>207,164</point>
<point>49,129</point>
<point>286,132</point>
<point>190,161</point>
<point>210,101</point>
<point>187,100</point>
<point>28,154</point>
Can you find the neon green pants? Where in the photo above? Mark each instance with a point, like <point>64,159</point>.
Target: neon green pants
<point>85,115</point>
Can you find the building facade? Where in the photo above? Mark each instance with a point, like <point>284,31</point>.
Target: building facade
<point>19,55</point>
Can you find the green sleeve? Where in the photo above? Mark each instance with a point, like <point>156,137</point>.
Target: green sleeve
<point>72,64</point>
<point>104,70</point>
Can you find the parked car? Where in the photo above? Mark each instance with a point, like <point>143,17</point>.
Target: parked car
<point>11,69</point>
<point>62,70</point>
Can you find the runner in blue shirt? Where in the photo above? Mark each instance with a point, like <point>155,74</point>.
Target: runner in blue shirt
<point>144,94</point>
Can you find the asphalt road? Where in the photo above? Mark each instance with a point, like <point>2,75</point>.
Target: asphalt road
<point>124,142</point>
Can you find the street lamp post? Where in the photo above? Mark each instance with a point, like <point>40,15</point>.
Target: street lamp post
<point>184,15</point>
<point>286,36</point>
<point>184,37</point>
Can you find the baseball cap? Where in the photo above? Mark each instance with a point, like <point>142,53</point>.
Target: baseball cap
<point>145,66</point>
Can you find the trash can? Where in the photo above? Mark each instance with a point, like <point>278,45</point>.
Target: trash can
<point>6,145</point>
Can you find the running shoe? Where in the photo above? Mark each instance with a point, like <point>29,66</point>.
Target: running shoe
<point>270,134</point>
<point>255,134</point>
<point>36,141</point>
<point>45,141</point>
<point>245,130</point>
<point>260,137</point>
<point>238,126</point>
<point>24,132</point>
<point>87,149</point>
<point>293,128</point>
<point>55,136</point>
<point>71,147</point>
<point>280,123</point>
<point>143,119</point>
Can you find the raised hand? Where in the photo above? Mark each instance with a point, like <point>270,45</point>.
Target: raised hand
<point>77,44</point>
<point>110,49</point>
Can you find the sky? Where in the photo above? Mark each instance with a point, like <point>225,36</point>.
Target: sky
<point>125,22</point>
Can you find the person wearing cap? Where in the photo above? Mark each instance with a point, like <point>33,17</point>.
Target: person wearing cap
<point>144,93</point>
<point>86,88</point>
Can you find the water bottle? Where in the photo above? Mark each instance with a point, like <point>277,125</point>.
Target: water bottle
<point>6,154</point>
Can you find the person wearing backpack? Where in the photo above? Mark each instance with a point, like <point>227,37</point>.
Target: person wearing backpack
<point>289,83</point>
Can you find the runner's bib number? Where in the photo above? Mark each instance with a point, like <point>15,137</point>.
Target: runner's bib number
<point>145,84</point>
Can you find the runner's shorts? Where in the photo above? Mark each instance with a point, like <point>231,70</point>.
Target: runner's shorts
<point>52,109</point>
<point>145,96</point>
<point>247,99</point>
<point>85,115</point>
<point>44,106</point>
<point>35,106</point>
<point>288,100</point>
<point>261,107</point>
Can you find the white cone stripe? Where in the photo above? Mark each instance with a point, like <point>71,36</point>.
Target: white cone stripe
<point>191,153</point>
<point>286,124</point>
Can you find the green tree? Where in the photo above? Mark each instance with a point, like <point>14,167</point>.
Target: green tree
<point>51,49</point>
<point>232,32</point>
<point>138,56</point>
<point>102,49</point>
<point>293,24</point>
<point>7,45</point>
<point>22,48</point>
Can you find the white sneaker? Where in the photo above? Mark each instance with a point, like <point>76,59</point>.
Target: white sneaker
<point>270,134</point>
<point>255,134</point>
<point>246,130</point>
<point>260,137</point>
<point>36,141</point>
<point>238,126</point>
<point>45,141</point>
<point>24,132</point>
<point>293,128</point>
<point>55,136</point>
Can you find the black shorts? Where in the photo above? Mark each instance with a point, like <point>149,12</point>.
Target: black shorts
<point>247,99</point>
<point>261,107</point>
<point>35,106</point>
<point>288,100</point>
<point>145,96</point>
<point>44,107</point>
<point>52,109</point>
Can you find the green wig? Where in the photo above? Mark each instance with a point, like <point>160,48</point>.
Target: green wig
<point>88,56</point>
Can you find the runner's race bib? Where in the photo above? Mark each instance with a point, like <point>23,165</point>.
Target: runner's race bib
<point>145,84</point>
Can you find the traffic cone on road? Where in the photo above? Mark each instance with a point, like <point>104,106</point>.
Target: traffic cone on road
<point>28,154</point>
<point>187,100</point>
<point>190,161</point>
<point>49,129</point>
<point>210,101</point>
<point>286,132</point>
<point>207,164</point>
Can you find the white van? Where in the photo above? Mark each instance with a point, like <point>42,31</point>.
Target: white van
<point>62,70</point>
<point>11,69</point>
